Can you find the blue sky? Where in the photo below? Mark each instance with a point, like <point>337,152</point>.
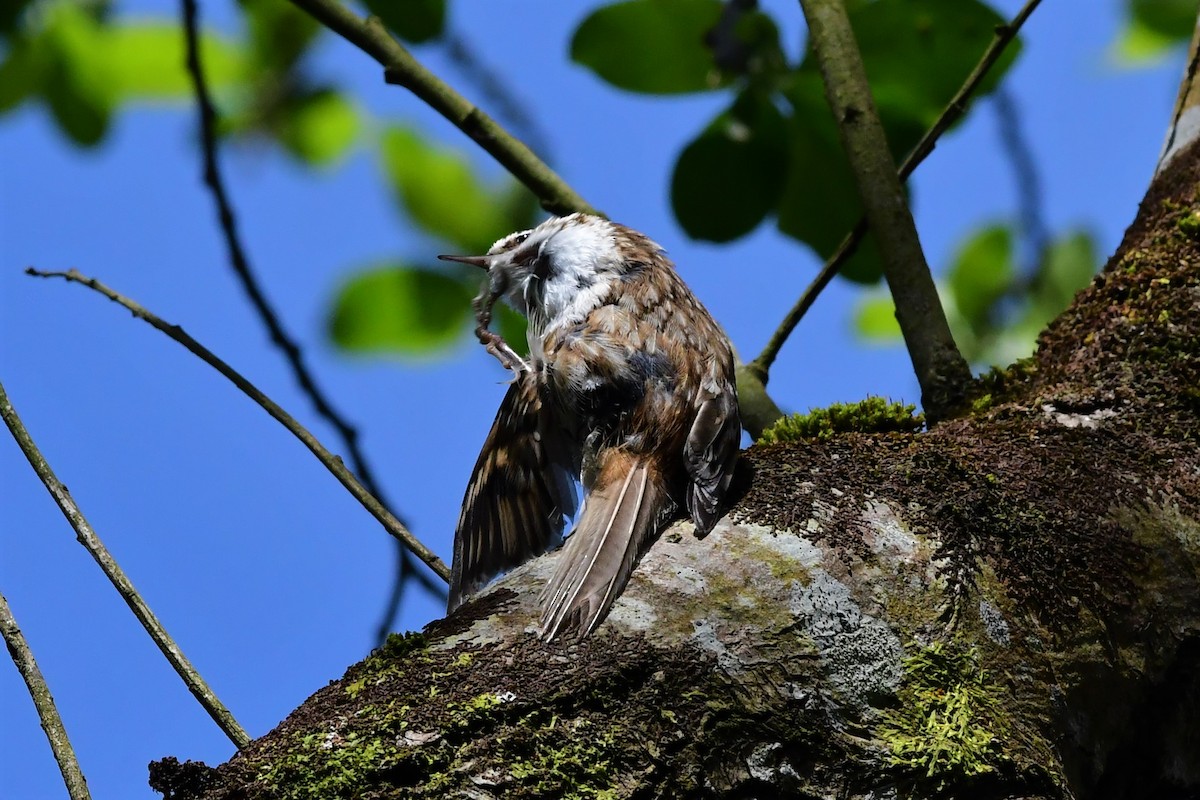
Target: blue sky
<point>268,574</point>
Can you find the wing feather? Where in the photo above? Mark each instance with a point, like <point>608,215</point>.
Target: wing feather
<point>519,493</point>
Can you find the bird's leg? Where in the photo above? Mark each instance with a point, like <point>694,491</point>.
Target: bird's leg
<point>493,342</point>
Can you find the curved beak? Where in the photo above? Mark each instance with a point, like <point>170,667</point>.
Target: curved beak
<point>483,262</point>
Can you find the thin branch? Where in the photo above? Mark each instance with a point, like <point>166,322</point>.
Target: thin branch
<point>1034,235</point>
<point>88,538</point>
<point>400,68</point>
<point>52,723</point>
<point>332,463</point>
<point>502,100</point>
<point>958,105</point>
<point>291,350</point>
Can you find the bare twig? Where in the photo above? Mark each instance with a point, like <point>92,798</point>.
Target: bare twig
<point>52,724</point>
<point>402,69</point>
<point>332,463</point>
<point>88,538</point>
<point>958,105</point>
<point>293,354</point>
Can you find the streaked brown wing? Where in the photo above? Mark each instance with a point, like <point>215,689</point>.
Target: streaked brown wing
<point>518,495</point>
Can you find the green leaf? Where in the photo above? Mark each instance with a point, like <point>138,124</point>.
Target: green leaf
<point>819,202</point>
<point>875,319</point>
<point>1175,19</point>
<point>279,35</point>
<point>78,83</point>
<point>1153,28</point>
<point>730,177</point>
<point>1067,267</point>
<point>981,273</point>
<point>414,21</point>
<point>147,61</point>
<point>511,326</point>
<point>439,190</point>
<point>917,53</point>
<point>653,46</point>
<point>400,309</point>
<point>321,128</point>
<point>11,12</point>
<point>23,72</point>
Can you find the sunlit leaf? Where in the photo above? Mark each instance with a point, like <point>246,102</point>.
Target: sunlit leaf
<point>1153,28</point>
<point>982,271</point>
<point>414,21</point>
<point>729,178</point>
<point>321,129</point>
<point>400,309</point>
<point>147,60</point>
<point>654,46</point>
<point>875,319</point>
<point>441,193</point>
<point>78,82</point>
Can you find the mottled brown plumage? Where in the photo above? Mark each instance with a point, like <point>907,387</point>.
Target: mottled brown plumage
<point>629,386</point>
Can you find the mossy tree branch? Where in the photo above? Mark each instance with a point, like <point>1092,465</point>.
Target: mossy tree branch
<point>91,541</point>
<point>940,368</point>
<point>52,723</point>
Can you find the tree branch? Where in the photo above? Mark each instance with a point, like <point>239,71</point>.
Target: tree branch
<point>958,105</point>
<point>940,368</point>
<point>88,538</point>
<point>52,724</point>
<point>279,336</point>
<point>402,69</point>
<point>332,463</point>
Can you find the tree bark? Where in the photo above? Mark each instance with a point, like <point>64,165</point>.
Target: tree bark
<point>1006,606</point>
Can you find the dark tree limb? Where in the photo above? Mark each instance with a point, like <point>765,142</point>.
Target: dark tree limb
<point>940,368</point>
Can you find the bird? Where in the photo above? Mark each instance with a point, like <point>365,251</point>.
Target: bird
<point>628,389</point>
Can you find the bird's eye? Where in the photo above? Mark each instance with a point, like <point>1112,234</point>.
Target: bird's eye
<point>519,238</point>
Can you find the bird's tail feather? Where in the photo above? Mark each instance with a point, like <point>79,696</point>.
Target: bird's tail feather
<point>620,516</point>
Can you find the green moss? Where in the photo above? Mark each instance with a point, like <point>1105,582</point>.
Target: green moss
<point>1189,225</point>
<point>873,415</point>
<point>949,725</point>
<point>577,766</point>
<point>994,385</point>
<point>319,767</point>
